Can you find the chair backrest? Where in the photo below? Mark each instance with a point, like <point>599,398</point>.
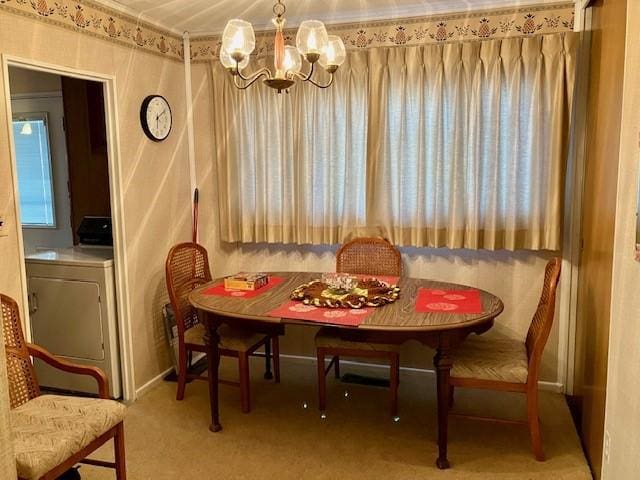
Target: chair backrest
<point>369,256</point>
<point>23,384</point>
<point>187,267</point>
<point>542,321</point>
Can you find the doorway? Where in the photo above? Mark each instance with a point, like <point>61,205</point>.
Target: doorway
<point>66,177</point>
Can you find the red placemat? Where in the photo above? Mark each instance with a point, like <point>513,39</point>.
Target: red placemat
<point>450,301</point>
<point>219,290</point>
<point>326,316</point>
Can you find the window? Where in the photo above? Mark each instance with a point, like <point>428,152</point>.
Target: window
<point>457,145</point>
<point>35,181</point>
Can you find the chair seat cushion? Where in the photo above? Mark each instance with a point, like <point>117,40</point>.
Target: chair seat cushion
<point>330,338</point>
<point>234,339</point>
<point>51,428</point>
<point>491,357</point>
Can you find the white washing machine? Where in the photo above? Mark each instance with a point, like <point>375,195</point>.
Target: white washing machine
<point>72,307</point>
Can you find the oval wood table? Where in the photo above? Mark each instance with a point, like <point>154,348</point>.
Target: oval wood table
<point>394,323</point>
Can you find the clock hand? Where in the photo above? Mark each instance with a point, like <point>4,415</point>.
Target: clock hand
<point>163,112</point>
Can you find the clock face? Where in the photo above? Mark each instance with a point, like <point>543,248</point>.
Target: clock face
<point>155,116</point>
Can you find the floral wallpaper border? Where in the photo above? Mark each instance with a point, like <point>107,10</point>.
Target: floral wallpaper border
<point>96,20</point>
<point>480,25</point>
<point>91,18</point>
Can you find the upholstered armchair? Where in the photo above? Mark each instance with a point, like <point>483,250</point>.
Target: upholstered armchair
<point>52,433</point>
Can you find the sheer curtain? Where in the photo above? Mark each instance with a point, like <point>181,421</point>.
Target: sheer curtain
<point>459,145</point>
<point>468,142</point>
<point>292,167</point>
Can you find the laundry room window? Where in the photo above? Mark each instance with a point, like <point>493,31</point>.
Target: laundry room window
<point>35,180</point>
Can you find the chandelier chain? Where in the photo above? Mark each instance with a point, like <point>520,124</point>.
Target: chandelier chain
<point>279,9</point>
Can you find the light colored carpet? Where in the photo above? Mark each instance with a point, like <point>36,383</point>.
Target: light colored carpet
<point>280,439</point>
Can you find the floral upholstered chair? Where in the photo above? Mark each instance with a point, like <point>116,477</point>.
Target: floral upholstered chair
<point>52,433</point>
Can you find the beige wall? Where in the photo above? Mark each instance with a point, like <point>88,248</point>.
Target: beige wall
<point>601,168</point>
<point>27,81</point>
<point>155,176</point>
<point>623,389</point>
<point>516,277</point>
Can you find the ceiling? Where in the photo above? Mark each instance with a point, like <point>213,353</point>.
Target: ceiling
<point>210,16</point>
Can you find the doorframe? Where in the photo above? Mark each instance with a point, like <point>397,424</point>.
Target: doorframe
<point>117,203</point>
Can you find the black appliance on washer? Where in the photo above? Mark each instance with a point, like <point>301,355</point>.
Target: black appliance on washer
<point>95,231</point>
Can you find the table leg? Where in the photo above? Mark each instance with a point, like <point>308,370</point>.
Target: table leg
<point>443,363</point>
<point>267,359</point>
<point>213,364</point>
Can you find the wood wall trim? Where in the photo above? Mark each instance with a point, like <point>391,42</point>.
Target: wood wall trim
<point>598,227</point>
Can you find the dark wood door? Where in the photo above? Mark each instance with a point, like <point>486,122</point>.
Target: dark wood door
<point>86,134</point>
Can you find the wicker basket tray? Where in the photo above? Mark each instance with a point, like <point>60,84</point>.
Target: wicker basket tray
<point>367,293</point>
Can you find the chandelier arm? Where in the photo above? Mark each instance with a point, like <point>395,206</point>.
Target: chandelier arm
<point>327,85</point>
<point>251,80</point>
<point>308,76</point>
<point>254,76</point>
<point>302,76</point>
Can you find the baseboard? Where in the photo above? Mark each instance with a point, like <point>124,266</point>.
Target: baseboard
<point>152,383</point>
<point>549,386</point>
<point>554,387</point>
<point>157,379</point>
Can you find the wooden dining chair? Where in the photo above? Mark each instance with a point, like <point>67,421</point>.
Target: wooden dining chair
<point>52,433</point>
<point>366,256</point>
<point>187,267</point>
<point>486,362</point>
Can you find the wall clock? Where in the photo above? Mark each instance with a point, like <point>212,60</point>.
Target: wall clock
<point>155,117</point>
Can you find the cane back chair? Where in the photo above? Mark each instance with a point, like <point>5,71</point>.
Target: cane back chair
<point>365,256</point>
<point>187,267</point>
<point>52,433</point>
<point>487,362</point>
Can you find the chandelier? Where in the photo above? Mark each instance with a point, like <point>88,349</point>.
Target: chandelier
<point>312,43</point>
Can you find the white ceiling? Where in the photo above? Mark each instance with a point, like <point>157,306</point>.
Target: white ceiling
<point>210,16</point>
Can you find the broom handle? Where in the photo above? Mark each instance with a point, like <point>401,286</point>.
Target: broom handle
<point>195,216</point>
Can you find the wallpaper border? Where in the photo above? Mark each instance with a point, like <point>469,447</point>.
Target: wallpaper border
<point>99,21</point>
<point>465,26</point>
<point>87,17</point>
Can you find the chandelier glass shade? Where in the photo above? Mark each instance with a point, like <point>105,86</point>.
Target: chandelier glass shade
<point>313,44</point>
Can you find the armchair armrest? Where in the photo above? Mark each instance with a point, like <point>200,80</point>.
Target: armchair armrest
<point>66,366</point>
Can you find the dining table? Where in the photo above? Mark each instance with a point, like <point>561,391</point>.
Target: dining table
<point>393,323</point>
